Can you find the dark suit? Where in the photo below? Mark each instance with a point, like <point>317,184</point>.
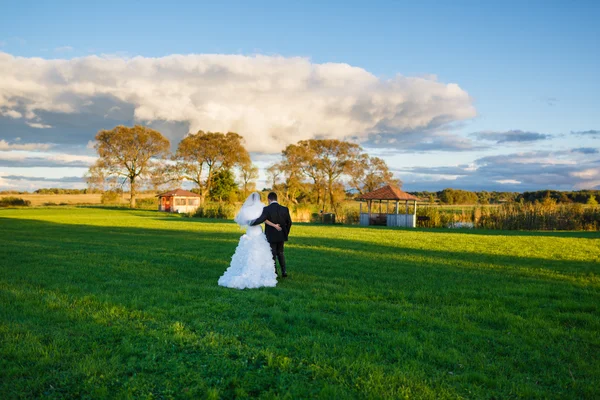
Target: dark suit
<point>277,214</point>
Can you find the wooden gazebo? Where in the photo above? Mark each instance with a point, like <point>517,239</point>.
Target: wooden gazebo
<point>388,194</point>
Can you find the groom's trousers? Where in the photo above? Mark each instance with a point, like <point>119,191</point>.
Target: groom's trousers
<point>277,251</point>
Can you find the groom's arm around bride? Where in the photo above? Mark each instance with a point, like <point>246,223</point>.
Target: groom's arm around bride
<point>277,214</point>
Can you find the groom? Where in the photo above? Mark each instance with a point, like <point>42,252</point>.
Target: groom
<point>277,214</point>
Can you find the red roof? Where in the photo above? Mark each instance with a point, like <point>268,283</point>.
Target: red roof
<point>387,193</point>
<point>178,192</point>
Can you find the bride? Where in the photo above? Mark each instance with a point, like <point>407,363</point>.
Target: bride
<point>252,264</point>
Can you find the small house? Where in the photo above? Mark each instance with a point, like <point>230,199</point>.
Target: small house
<point>178,201</point>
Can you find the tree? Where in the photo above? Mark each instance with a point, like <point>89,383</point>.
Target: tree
<point>165,178</point>
<point>98,180</point>
<point>201,156</point>
<point>274,171</point>
<point>248,173</point>
<point>223,186</point>
<point>457,196</point>
<point>370,173</point>
<point>128,153</point>
<point>324,161</point>
<point>592,201</point>
<point>334,158</point>
<point>302,159</point>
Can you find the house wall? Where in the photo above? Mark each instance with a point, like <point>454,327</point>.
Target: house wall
<point>185,204</point>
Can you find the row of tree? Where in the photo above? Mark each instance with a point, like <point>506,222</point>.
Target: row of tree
<point>578,196</point>
<point>139,156</point>
<point>312,170</point>
<point>460,197</point>
<point>321,170</point>
<point>317,171</point>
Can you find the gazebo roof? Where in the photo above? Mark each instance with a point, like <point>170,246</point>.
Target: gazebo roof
<point>387,193</point>
<point>178,192</point>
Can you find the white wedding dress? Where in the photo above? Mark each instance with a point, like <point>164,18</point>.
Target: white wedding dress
<point>252,264</point>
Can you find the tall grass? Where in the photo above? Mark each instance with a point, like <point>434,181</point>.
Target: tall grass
<point>546,215</point>
<point>539,216</point>
<point>216,211</point>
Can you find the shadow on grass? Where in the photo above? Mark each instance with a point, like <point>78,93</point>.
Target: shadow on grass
<point>173,247</point>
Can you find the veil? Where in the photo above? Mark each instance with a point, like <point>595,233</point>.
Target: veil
<point>251,210</point>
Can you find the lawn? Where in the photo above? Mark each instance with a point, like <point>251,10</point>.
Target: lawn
<point>100,303</point>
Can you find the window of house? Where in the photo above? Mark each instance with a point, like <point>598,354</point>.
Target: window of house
<point>180,202</point>
<point>194,201</point>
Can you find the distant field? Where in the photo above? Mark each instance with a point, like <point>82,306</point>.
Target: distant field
<point>105,303</point>
<point>42,199</point>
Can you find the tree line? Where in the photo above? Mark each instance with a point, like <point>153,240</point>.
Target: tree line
<point>463,197</point>
<point>313,170</point>
<point>320,171</point>
<point>317,171</point>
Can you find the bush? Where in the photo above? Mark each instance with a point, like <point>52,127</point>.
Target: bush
<point>216,210</point>
<point>110,197</point>
<point>14,201</point>
<point>300,214</point>
<point>148,203</point>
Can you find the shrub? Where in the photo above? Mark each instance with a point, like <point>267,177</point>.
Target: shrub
<point>14,201</point>
<point>300,214</point>
<point>216,210</point>
<point>148,203</point>
<point>110,197</point>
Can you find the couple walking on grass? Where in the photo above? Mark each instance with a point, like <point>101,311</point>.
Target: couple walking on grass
<point>254,263</point>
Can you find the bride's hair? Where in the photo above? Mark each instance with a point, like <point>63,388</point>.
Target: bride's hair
<point>272,196</point>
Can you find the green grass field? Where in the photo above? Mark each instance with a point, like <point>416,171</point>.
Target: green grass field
<point>100,303</point>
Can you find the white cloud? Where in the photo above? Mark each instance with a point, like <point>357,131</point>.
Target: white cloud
<point>11,114</point>
<point>270,100</point>
<point>5,146</point>
<point>589,174</point>
<point>38,125</point>
<point>27,159</point>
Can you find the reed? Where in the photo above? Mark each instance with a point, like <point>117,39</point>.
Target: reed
<point>545,215</point>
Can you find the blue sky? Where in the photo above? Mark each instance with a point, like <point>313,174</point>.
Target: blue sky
<point>526,66</point>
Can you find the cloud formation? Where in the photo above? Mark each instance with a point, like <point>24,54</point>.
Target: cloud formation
<point>66,179</point>
<point>271,100</point>
<point>20,159</point>
<point>592,132</point>
<point>517,136</point>
<point>585,150</point>
<point>536,170</point>
<point>6,146</point>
